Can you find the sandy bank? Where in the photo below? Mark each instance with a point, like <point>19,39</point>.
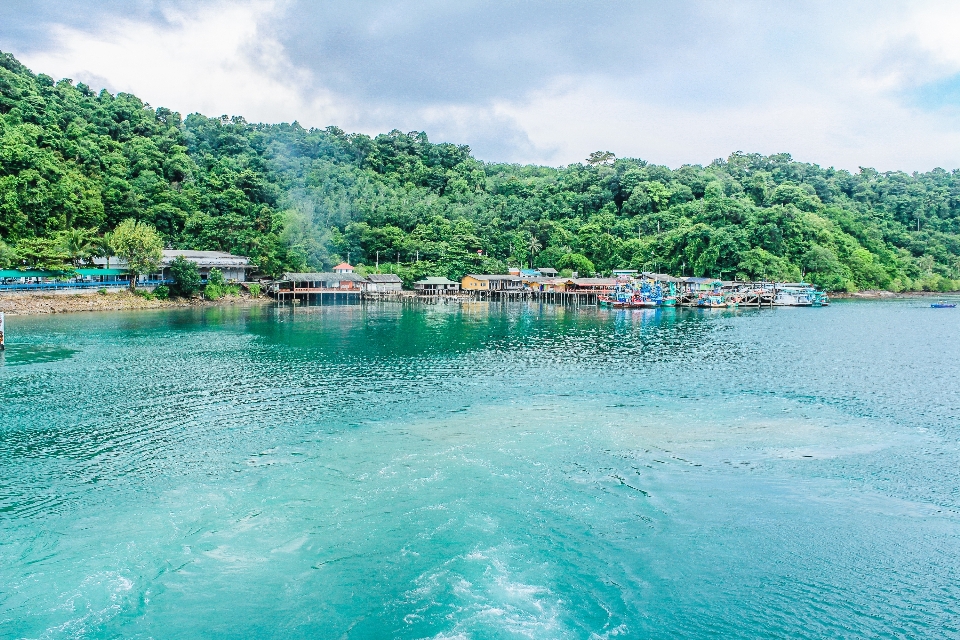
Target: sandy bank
<point>22,304</point>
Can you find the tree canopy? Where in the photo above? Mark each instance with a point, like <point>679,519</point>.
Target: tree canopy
<point>139,245</point>
<point>74,164</point>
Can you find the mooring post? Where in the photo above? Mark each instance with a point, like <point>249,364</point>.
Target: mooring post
<point>2,347</point>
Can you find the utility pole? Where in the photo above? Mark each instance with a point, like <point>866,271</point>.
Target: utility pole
<point>378,259</point>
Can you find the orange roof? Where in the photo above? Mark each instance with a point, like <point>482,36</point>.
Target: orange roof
<point>342,265</point>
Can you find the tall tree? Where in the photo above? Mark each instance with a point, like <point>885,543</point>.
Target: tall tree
<point>140,246</point>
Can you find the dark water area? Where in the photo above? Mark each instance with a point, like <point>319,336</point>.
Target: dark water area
<point>482,471</point>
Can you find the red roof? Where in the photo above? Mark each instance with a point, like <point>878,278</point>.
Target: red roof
<point>342,265</point>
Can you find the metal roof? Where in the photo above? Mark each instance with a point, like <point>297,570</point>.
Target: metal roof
<point>583,281</point>
<point>661,277</point>
<point>492,277</point>
<point>322,277</point>
<point>205,257</point>
<point>102,272</point>
<point>30,273</point>
<point>435,280</point>
<point>384,277</point>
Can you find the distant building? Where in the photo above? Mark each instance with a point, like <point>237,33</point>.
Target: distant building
<point>701,284</point>
<point>343,267</point>
<point>593,285</point>
<point>234,268</point>
<point>547,272</point>
<point>475,282</point>
<point>435,287</point>
<point>324,281</point>
<point>383,282</point>
<point>623,273</point>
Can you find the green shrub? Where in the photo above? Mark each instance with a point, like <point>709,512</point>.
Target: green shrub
<point>162,292</point>
<point>231,290</point>
<point>143,293</point>
<point>254,290</point>
<point>186,277</point>
<point>216,278</point>
<point>213,292</point>
<point>102,291</point>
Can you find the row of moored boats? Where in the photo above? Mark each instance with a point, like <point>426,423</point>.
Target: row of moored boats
<point>646,294</point>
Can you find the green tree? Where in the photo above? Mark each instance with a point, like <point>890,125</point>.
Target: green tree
<point>533,247</point>
<point>216,278</point>
<point>8,257</point>
<point>78,244</point>
<point>140,246</point>
<point>186,277</point>
<point>102,247</point>
<point>43,253</point>
<point>601,157</point>
<point>577,262</point>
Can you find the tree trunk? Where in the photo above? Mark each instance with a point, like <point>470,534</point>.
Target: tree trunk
<point>133,282</point>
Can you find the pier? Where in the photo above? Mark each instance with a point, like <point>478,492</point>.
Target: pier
<point>348,288</point>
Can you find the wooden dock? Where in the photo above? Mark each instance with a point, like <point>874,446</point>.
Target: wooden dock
<point>742,296</point>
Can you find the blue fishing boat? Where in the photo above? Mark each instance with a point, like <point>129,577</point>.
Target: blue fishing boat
<point>943,305</point>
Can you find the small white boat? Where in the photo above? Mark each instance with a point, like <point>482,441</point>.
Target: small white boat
<point>794,295</point>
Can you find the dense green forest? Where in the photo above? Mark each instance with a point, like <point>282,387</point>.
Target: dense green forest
<point>75,163</point>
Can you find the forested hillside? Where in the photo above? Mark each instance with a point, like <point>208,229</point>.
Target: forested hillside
<point>74,163</point>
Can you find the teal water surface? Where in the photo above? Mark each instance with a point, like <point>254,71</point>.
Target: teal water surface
<point>482,471</point>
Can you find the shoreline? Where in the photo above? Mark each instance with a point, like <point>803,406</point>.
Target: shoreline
<point>34,304</point>
<point>873,294</point>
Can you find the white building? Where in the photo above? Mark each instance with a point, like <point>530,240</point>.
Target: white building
<point>234,268</point>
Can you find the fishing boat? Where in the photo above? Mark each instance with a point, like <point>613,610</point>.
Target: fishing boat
<point>793,295</point>
<point>712,301</point>
<point>644,302</point>
<point>943,305</point>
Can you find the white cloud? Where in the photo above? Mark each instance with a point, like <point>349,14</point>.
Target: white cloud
<point>215,60</point>
<point>826,83</point>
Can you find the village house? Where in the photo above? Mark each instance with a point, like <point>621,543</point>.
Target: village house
<point>552,285</point>
<point>475,282</point>
<point>323,281</point>
<point>436,286</point>
<point>234,268</point>
<point>383,283</point>
<point>593,285</point>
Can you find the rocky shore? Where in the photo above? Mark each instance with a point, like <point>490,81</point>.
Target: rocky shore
<point>22,304</point>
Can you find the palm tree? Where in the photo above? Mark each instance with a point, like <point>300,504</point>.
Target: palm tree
<point>77,243</point>
<point>103,247</point>
<point>533,246</point>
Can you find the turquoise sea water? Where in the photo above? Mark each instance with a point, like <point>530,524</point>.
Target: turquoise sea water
<point>482,471</point>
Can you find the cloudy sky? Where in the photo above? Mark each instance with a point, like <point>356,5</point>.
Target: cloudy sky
<point>843,83</point>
